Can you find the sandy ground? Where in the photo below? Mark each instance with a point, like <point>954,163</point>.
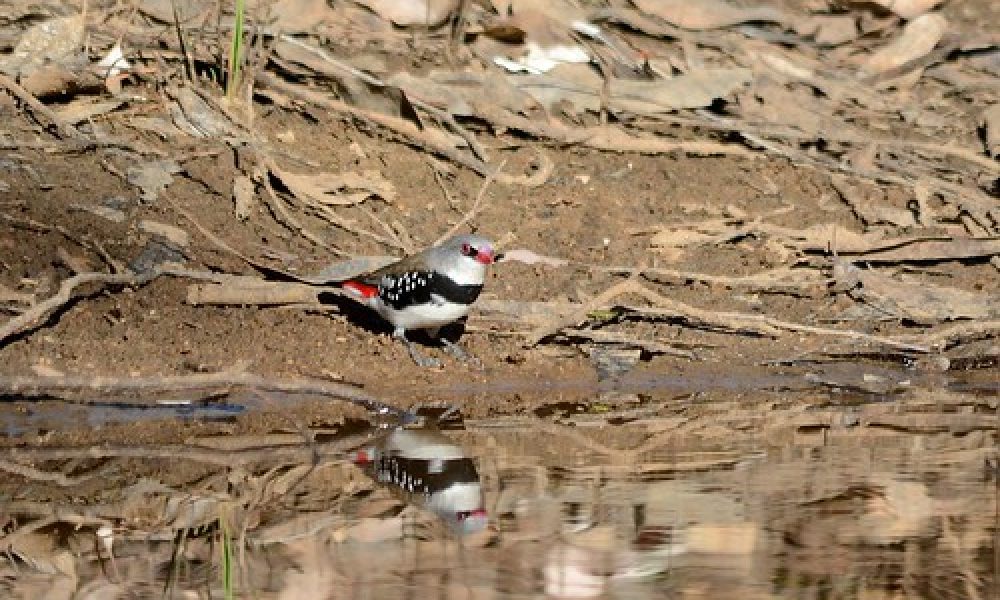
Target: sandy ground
<point>598,209</point>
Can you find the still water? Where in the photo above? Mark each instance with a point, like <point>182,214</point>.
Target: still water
<point>659,489</point>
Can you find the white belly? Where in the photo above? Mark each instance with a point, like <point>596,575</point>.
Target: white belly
<point>423,316</point>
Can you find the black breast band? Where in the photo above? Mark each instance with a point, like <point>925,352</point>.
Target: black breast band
<point>400,295</point>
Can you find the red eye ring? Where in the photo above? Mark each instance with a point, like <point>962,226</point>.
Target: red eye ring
<point>467,250</point>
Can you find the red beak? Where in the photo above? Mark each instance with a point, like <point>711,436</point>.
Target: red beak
<point>485,256</point>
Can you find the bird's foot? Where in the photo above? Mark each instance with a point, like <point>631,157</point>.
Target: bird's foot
<point>461,353</point>
<point>420,359</point>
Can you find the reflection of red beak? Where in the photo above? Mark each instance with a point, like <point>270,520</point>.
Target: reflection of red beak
<point>485,256</point>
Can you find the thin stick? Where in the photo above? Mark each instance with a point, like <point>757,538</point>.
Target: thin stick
<point>961,333</point>
<point>65,130</point>
<point>782,279</point>
<point>756,324</point>
<point>476,206</point>
<point>26,385</point>
<point>37,314</point>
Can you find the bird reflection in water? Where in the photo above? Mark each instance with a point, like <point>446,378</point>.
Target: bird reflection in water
<point>432,471</point>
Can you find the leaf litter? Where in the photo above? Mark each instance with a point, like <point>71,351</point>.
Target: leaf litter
<point>637,88</point>
<point>835,89</point>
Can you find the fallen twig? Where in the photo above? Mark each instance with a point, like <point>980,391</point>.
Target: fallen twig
<point>476,206</point>
<point>726,321</point>
<point>606,337</point>
<point>780,280</point>
<point>962,333</point>
<point>62,386</point>
<point>65,130</point>
<point>37,314</point>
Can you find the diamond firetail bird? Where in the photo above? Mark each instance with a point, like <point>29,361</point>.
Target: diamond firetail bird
<point>428,290</point>
<point>426,467</point>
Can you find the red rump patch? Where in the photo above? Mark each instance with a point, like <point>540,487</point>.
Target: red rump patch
<point>361,289</point>
<point>363,457</point>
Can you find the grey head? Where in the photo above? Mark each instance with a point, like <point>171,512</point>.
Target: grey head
<point>463,258</point>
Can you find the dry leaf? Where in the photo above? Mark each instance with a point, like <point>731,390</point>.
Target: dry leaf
<point>581,86</point>
<point>47,42</point>
<point>828,30</point>
<point>450,98</point>
<point>694,89</point>
<point>908,8</point>
<point>177,236</point>
<point>171,11</point>
<point>152,177</point>
<point>412,12</point>
<point>919,37</point>
<point>298,16</point>
<point>114,62</point>
<point>862,200</point>
<point>707,14</point>
<point>560,11</point>
<point>792,106</point>
<point>484,92</point>
<point>52,79</point>
<point>528,257</point>
<point>196,117</point>
<point>923,250</point>
<point>161,127</point>
<point>332,189</point>
<point>243,189</point>
<point>680,237</point>
<point>917,301</point>
<point>609,137</point>
<point>83,109</point>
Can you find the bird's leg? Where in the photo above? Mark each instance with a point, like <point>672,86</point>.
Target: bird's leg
<point>420,359</point>
<point>460,353</point>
